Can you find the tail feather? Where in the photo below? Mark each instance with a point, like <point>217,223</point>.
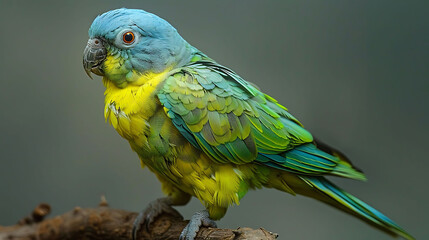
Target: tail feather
<point>344,201</point>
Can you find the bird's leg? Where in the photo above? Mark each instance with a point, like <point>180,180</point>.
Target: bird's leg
<point>153,210</point>
<point>199,219</point>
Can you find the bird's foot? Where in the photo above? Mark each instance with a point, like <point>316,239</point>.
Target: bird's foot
<point>199,219</point>
<point>153,210</point>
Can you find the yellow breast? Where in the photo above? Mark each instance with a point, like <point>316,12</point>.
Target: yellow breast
<point>128,109</point>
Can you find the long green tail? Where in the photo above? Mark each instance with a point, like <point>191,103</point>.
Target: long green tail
<point>338,198</point>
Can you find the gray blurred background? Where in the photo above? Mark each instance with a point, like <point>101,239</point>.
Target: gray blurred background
<point>354,72</point>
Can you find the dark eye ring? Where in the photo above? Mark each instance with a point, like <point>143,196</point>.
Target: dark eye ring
<point>128,37</point>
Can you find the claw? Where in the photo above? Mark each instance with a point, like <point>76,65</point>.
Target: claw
<point>152,211</point>
<point>148,220</point>
<point>199,219</point>
<point>136,225</point>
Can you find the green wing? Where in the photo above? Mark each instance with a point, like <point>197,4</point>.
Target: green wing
<point>233,122</point>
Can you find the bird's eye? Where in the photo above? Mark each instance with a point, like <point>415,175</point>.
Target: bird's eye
<point>128,37</point>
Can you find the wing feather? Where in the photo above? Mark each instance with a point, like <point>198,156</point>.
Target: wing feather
<point>233,122</point>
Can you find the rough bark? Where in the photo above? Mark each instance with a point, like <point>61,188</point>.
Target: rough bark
<point>107,223</point>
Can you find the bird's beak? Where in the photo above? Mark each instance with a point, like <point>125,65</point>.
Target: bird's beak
<point>93,57</point>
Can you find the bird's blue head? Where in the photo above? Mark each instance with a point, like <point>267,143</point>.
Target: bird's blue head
<point>125,45</point>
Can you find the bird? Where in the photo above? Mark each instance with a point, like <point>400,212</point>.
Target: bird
<point>203,130</point>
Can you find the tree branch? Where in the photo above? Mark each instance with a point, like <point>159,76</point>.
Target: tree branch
<point>112,224</point>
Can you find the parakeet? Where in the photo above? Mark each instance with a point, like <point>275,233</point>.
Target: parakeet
<point>203,130</point>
